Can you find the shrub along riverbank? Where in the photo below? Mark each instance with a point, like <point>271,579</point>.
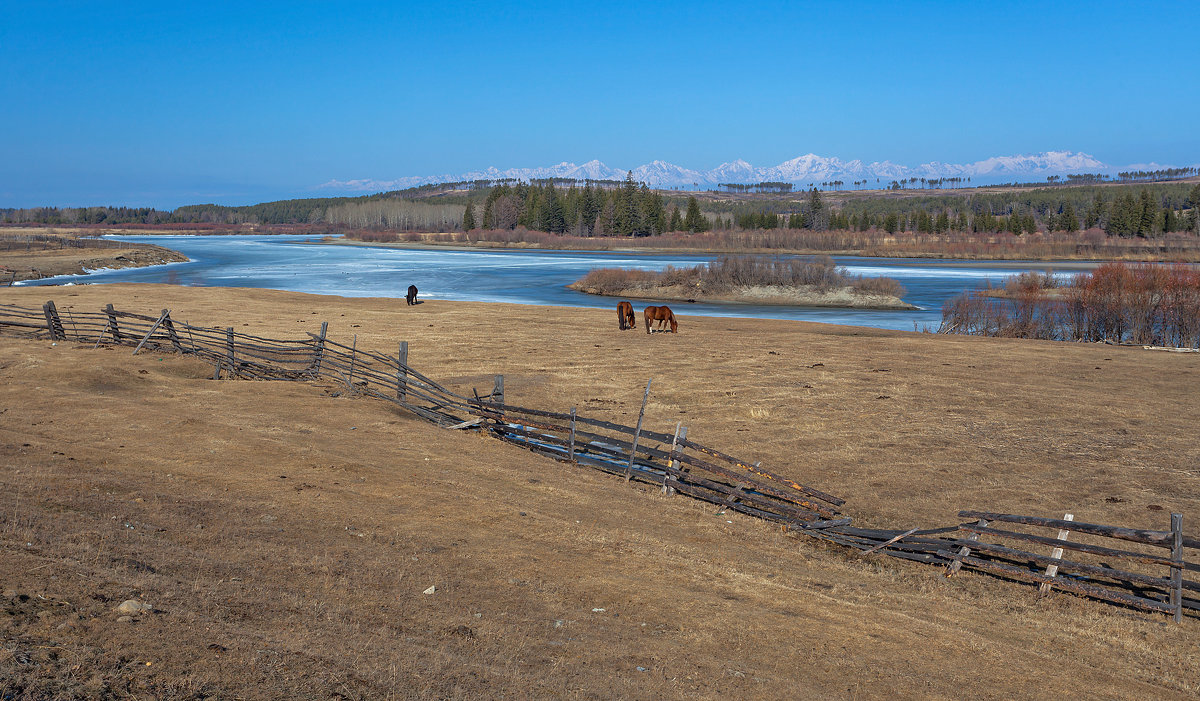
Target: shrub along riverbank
<point>1141,304</point>
<point>756,279</point>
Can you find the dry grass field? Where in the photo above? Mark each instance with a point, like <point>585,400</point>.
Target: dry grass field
<point>285,533</point>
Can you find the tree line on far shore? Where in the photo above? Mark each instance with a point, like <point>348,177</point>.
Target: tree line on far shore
<point>633,210</point>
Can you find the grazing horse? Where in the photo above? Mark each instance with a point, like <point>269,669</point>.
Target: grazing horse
<point>625,316</point>
<point>412,294</point>
<point>662,315</point>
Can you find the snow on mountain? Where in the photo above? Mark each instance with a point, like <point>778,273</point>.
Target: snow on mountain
<point>661,173</point>
<point>738,171</point>
<point>801,171</point>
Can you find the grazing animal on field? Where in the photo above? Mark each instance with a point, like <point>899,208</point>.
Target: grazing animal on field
<point>662,315</point>
<point>412,295</point>
<point>625,316</point>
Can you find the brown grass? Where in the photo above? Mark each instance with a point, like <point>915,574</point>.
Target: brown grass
<point>285,532</point>
<point>728,274</point>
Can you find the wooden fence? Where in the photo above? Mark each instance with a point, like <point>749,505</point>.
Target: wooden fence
<point>1098,577</point>
<point>669,461</point>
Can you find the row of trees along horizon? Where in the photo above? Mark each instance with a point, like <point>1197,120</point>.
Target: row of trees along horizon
<point>628,208</point>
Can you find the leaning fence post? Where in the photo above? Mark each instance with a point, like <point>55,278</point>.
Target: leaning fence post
<point>353,355</point>
<point>112,323</point>
<point>154,328</point>
<point>229,351</point>
<point>1177,568</point>
<point>1052,570</point>
<point>319,352</point>
<point>571,443</point>
<point>680,432</point>
<point>170,327</point>
<point>53,323</point>
<point>402,372</point>
<point>637,432</point>
<point>963,552</point>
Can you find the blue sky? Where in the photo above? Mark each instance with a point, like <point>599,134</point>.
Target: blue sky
<point>164,104</point>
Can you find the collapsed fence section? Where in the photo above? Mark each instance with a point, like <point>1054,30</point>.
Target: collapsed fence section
<point>670,462</point>
<point>1090,569</point>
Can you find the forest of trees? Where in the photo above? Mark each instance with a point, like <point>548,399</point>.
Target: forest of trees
<point>628,208</point>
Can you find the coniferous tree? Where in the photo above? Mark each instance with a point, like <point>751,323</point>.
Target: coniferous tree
<point>693,221</point>
<point>1069,222</point>
<point>1193,201</point>
<point>552,217</point>
<point>676,221</point>
<point>1147,214</point>
<point>468,222</point>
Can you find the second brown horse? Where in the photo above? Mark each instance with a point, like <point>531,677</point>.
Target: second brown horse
<point>625,316</point>
<point>662,315</point>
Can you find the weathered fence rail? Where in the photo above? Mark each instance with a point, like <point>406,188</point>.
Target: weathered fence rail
<point>671,462</point>
<point>1099,577</point>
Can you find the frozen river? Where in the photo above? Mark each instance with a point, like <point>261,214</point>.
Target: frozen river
<point>521,277</point>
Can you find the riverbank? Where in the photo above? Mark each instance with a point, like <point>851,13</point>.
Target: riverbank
<point>280,528</point>
<point>804,296</point>
<point>1059,248</point>
<point>35,254</point>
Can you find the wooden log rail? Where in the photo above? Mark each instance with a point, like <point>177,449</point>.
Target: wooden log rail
<point>670,461</point>
<point>1170,594</point>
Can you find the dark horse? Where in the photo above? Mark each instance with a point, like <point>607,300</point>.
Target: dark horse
<point>625,316</point>
<point>412,294</point>
<point>662,315</point>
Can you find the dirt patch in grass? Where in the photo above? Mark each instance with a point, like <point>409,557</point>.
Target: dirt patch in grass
<point>284,536</point>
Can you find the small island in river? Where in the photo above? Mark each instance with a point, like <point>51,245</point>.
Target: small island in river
<point>809,282</point>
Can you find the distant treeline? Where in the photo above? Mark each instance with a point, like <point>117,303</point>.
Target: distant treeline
<point>629,208</point>
<point>756,187</point>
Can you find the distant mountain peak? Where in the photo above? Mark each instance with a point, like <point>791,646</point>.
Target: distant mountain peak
<point>809,168</point>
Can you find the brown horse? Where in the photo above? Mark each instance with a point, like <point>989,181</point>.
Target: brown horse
<point>625,316</point>
<point>662,315</point>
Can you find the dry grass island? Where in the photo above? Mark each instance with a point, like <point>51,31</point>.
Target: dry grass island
<point>809,282</point>
<point>284,534</point>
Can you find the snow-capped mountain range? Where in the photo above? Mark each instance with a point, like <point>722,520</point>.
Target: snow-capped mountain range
<point>801,171</point>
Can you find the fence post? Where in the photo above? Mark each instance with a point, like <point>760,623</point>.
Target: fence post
<point>170,327</point>
<point>498,390</point>
<point>637,432</point>
<point>1177,568</point>
<point>154,328</point>
<point>229,351</point>
<point>353,356</point>
<point>402,373</point>
<point>680,432</point>
<point>571,443</point>
<point>1052,570</point>
<point>112,323</point>
<point>319,352</point>
<point>53,323</point>
<point>956,565</point>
